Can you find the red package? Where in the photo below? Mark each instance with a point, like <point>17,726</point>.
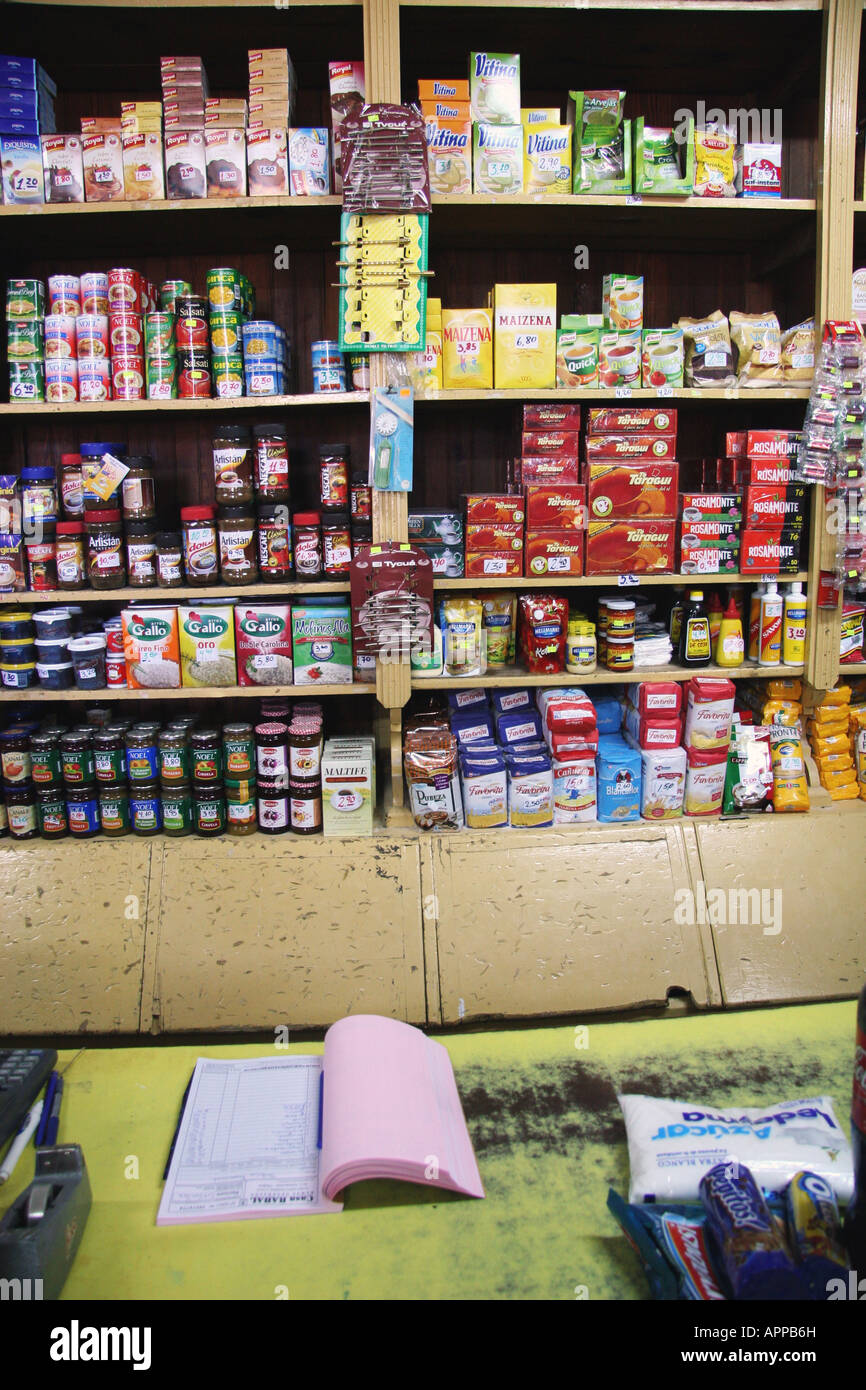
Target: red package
<point>770,552</point>
<point>564,442</point>
<point>553,552</point>
<point>550,468</point>
<point>551,415</point>
<point>637,546</point>
<point>632,420</point>
<point>506,564</point>
<point>556,508</point>
<point>575,747</point>
<point>507,535</point>
<point>631,448</point>
<point>709,557</point>
<point>775,505</point>
<point>543,630</point>
<point>777,444</point>
<point>768,471</point>
<point>660,697</point>
<point>716,528</point>
<point>494,506</point>
<point>705,506</point>
<point>654,730</point>
<point>735,443</point>
<point>617,490</point>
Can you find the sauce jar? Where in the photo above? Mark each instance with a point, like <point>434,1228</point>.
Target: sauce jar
<point>239,751</point>
<point>71,486</point>
<point>109,757</point>
<point>173,757</point>
<point>620,617</point>
<point>238,545</point>
<point>141,554</point>
<point>51,813</point>
<point>336,545</point>
<point>272,807</point>
<point>177,809</point>
<point>362,498</point>
<point>305,807</point>
<point>16,756</point>
<point>305,750</point>
<point>21,812</point>
<point>200,550</point>
<point>362,534</point>
<point>138,491</point>
<point>145,809</point>
<point>169,559</point>
<point>76,759</point>
<point>105,567</point>
<point>38,498</point>
<point>114,811</point>
<point>71,555</point>
<point>275,543</point>
<point>42,560</point>
<point>45,766</point>
<point>619,653</point>
<point>334,477</point>
<point>307,545</point>
<point>205,756</point>
<point>233,466</point>
<point>209,810</point>
<point>271,463</point>
<point>82,810</point>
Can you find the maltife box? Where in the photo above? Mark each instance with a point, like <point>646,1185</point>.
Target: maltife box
<point>557,553</point>
<point>630,547</point>
<point>347,789</point>
<point>620,491</point>
<point>631,420</point>
<point>631,448</point>
<point>524,339</point>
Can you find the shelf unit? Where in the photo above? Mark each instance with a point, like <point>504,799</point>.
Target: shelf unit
<point>512,677</point>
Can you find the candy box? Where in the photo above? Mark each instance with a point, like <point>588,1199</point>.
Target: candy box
<point>630,448</point>
<point>553,552</point>
<point>619,490</point>
<point>546,159</point>
<point>263,641</point>
<point>143,177</point>
<point>309,152</point>
<point>185,175</point>
<point>631,419</point>
<point>268,164</point>
<point>495,507</point>
<point>150,647</point>
<point>622,302</point>
<point>494,88</point>
<point>551,415</point>
<point>630,547</point>
<point>497,159</point>
<point>322,644</point>
<point>23,178</point>
<point>449,154</point>
<point>63,168</point>
<point>560,507</point>
<point>207,644</point>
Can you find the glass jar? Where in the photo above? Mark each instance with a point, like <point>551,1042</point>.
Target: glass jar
<point>114,811</point>
<point>305,807</point>
<point>272,463</point>
<point>71,555</point>
<point>362,498</point>
<point>142,757</point>
<point>145,808</point>
<point>51,813</point>
<point>272,752</point>
<point>169,559</point>
<point>206,757</point>
<point>45,766</point>
<point>272,807</point>
<point>237,541</point>
<point>141,553</point>
<point>239,751</point>
<point>233,465</point>
<point>209,810</point>
<point>109,757</point>
<point>21,812</point>
<point>42,560</point>
<point>361,535</point>
<point>71,486</point>
<point>138,490</point>
<point>619,653</point>
<point>305,750</point>
<point>336,545</point>
<point>38,498</point>
<point>307,537</point>
<point>16,756</point>
<point>275,543</point>
<point>82,810</point>
<point>76,759</point>
<point>241,817</point>
<point>105,567</point>
<point>173,757</point>
<point>334,477</point>
<point>177,809</point>
<point>200,549</point>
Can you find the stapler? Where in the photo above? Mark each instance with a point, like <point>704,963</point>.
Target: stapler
<point>41,1232</point>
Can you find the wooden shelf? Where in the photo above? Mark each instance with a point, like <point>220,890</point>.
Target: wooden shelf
<point>580,200</point>
<point>222,692</point>
<point>688,393</point>
<point>322,398</point>
<point>167,205</point>
<point>598,581</point>
<point>509,676</point>
<point>852,668</point>
<point>61,597</point>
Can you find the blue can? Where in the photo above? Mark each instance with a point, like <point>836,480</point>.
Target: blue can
<point>329,379</point>
<point>263,378</point>
<point>261,341</point>
<point>326,354</point>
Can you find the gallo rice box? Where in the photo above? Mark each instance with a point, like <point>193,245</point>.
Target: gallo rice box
<point>263,638</point>
<point>322,644</point>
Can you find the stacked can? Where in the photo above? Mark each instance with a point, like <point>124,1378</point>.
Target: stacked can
<point>25,339</point>
<point>160,356</point>
<point>169,291</point>
<point>226,299</point>
<point>126,333</point>
<point>61,350</point>
<point>193,347</point>
<point>92,331</point>
<point>266,358</point>
<point>329,367</point>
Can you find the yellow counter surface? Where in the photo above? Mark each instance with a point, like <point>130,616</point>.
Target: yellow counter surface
<point>548,1134</point>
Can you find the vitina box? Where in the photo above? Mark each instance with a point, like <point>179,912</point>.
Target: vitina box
<point>347,788</point>
<point>446,110</point>
<point>618,492</point>
<point>547,159</point>
<point>630,547</point>
<point>322,644</point>
<point>440,88</point>
<point>467,349</point>
<point>449,155</point>
<point>494,88</point>
<point>497,159</point>
<point>524,344</point>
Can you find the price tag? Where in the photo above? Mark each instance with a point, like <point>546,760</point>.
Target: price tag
<point>627,581</point>
<point>623,392</point>
<point>633,200</point>
<point>665,390</point>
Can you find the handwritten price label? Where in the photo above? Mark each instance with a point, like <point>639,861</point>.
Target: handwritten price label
<point>633,200</point>
<point>664,390</point>
<point>627,581</point>
<point>623,393</point>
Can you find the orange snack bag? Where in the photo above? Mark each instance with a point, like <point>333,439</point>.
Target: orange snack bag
<point>790,791</point>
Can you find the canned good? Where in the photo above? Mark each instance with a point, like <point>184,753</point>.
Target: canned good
<point>94,292</point>
<point>61,379</point>
<point>127,378</point>
<point>115,672</point>
<point>224,288</point>
<point>25,299</point>
<point>228,375</point>
<point>261,340</point>
<point>27,381</point>
<point>125,333</point>
<point>94,379</point>
<point>61,339</point>
<point>24,340</point>
<point>263,378</point>
<point>193,374</point>
<point>169,291</point>
<point>124,287</point>
<point>191,329</point>
<point>329,379</point>
<point>225,332</point>
<point>161,378</point>
<point>92,334</point>
<point>64,294</point>
<point>159,335</point>
<point>359,364</point>
<point>326,353</point>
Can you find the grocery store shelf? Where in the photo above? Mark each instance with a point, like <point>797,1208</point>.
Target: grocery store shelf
<point>596,581</point>
<point>510,676</point>
<point>852,668</point>
<point>688,393</point>
<point>184,594</point>
<point>318,398</point>
<point>221,692</point>
<point>165,205</point>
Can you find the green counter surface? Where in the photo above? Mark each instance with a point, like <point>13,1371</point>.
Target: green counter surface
<point>541,1107</point>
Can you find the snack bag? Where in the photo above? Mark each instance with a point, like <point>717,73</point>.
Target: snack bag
<point>430,765</point>
<point>715,149</point>
<point>709,357</point>
<point>543,630</point>
<point>602,143</point>
<point>798,353</point>
<point>790,791</point>
<point>758,340</point>
<point>463,642</point>
<point>498,619</point>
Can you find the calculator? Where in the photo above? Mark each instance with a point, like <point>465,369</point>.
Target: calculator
<point>23,1073</point>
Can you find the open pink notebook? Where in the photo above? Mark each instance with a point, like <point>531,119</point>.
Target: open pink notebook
<point>279,1136</point>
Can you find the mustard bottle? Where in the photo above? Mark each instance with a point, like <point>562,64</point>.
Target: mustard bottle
<point>730,647</point>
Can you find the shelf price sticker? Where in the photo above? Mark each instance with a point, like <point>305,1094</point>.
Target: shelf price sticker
<point>633,200</point>
<point>627,581</point>
<point>666,390</point>
<point>623,392</point>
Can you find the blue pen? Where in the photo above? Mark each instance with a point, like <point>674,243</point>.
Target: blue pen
<point>53,1124</point>
<point>53,1082</point>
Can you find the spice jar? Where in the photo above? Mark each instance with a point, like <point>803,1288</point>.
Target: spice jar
<point>239,751</point>
<point>307,545</point>
<point>38,499</point>
<point>109,757</point>
<point>205,755</point>
<point>362,498</point>
<point>336,544</point>
<point>44,761</point>
<point>169,559</point>
<point>145,809</point>
<point>138,491</point>
<point>105,567</point>
<point>275,543</point>
<point>21,812</point>
<point>82,810</point>
<point>173,757</point>
<point>237,542</point>
<point>141,554</point>
<point>209,810</point>
<point>71,555</point>
<point>71,486</point>
<point>272,463</point>
<point>114,811</point>
<point>272,807</point>
<point>177,809</point>
<point>42,560</point>
<point>76,758</point>
<point>334,477</point>
<point>200,550</point>
<point>51,813</point>
<point>305,807</point>
<point>233,466</point>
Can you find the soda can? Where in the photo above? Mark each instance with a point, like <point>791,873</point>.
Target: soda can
<point>225,332</point>
<point>329,379</point>
<point>159,335</point>
<point>94,292</point>
<point>24,340</point>
<point>125,334</point>
<point>169,293</point>
<point>25,299</point>
<point>124,290</point>
<point>161,378</point>
<point>94,379</point>
<point>224,289</point>
<point>260,341</point>
<point>262,378</point>
<point>61,339</point>
<point>127,378</point>
<point>193,374</point>
<point>92,331</point>
<point>326,354</point>
<point>191,329</point>
<point>61,379</point>
<point>64,294</point>
<point>228,375</point>
<point>27,381</point>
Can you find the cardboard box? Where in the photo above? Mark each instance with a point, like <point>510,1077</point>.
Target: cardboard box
<point>226,163</point>
<point>322,644</point>
<point>710,557</point>
<point>559,507</point>
<point>622,302</point>
<point>662,357</point>
<point>62,168</point>
<point>773,444</point>
<point>435,524</point>
<point>635,546</point>
<point>448,561</point>
<point>758,172</point>
<point>504,564</point>
<point>549,469</point>
<point>718,529</point>
<point>431,89</point>
<point>263,643</point>
<point>494,88</point>
<point>524,343</point>
<point>347,88</point>
<point>494,507</point>
<point>773,506</point>
<point>309,161</point>
<point>630,448</point>
<point>185,164</point>
<point>577,358</point>
<point>143,176</point>
<point>102,158</point>
<point>467,349</point>
<point>619,358</point>
<point>557,553</point>
<point>497,159</point>
<point>23,176</point>
<point>446,110</point>
<point>268,162</point>
<point>546,159</point>
<point>636,419</point>
<point>207,645</point>
<point>766,552</point>
<point>551,415</point>
<point>494,536</point>
<point>775,471</point>
<point>347,788</point>
<point>704,506</point>
<point>151,648</point>
<point>449,155</point>
<point>561,443</point>
<point>621,491</point>
<point>664,181</point>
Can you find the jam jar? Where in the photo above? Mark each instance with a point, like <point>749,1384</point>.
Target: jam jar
<point>21,811</point>
<point>209,810</point>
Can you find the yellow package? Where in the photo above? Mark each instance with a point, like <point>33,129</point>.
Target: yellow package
<point>826,728</point>
<point>499,613</point>
<point>547,159</point>
<point>846,793</point>
<point>524,344</point>
<point>207,644</point>
<point>715,148</point>
<point>462,649</point>
<point>497,158</point>
<point>840,696</point>
<point>834,762</point>
<point>449,154</point>
<point>847,777</point>
<point>790,790</point>
<point>541,116</point>
<point>787,712</point>
<point>467,349</point>
<point>783,687</point>
<point>425,368</point>
<point>434,313</point>
<point>826,747</point>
